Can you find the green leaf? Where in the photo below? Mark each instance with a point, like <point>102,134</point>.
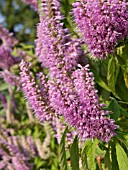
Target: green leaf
<point>38,162</point>
<point>4,86</point>
<point>122,53</point>
<point>62,152</point>
<point>115,108</point>
<point>66,6</point>
<point>114,157</point>
<point>123,125</point>
<point>74,155</point>
<point>126,78</point>
<point>26,46</point>
<point>101,83</point>
<point>112,75</point>
<point>95,67</point>
<point>99,151</point>
<point>107,161</point>
<point>121,87</point>
<point>121,157</point>
<point>85,150</point>
<point>91,155</point>
<point>123,111</point>
<point>89,151</point>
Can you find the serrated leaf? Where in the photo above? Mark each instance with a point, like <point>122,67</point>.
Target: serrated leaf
<point>91,155</point>
<point>85,150</point>
<point>88,151</point>
<point>121,157</point>
<point>86,146</point>
<point>62,152</point>
<point>115,108</point>
<point>74,155</point>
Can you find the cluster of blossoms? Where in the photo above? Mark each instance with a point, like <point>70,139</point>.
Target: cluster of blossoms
<point>10,78</point>
<point>103,23</point>
<point>16,152</point>
<point>34,93</point>
<point>37,95</point>
<point>7,60</point>
<point>6,37</point>
<point>55,49</point>
<point>77,100</point>
<point>69,89</point>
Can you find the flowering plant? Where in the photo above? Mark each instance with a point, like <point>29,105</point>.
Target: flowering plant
<point>76,82</point>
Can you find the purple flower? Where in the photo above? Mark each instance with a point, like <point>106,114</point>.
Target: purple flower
<point>38,98</point>
<point>10,78</point>
<point>54,46</point>
<point>6,58</point>
<point>6,37</point>
<point>8,41</point>
<point>102,24</point>
<point>68,91</point>
<point>16,151</point>
<point>33,93</point>
<point>92,120</point>
<point>75,97</point>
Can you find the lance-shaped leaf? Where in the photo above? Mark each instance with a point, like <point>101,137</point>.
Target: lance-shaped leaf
<point>112,75</point>
<point>88,154</point>
<point>74,153</point>
<point>121,157</point>
<point>62,152</point>
<point>115,108</point>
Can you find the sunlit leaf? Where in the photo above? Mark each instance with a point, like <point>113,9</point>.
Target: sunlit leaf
<point>121,157</point>
<point>88,151</point>
<point>4,86</point>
